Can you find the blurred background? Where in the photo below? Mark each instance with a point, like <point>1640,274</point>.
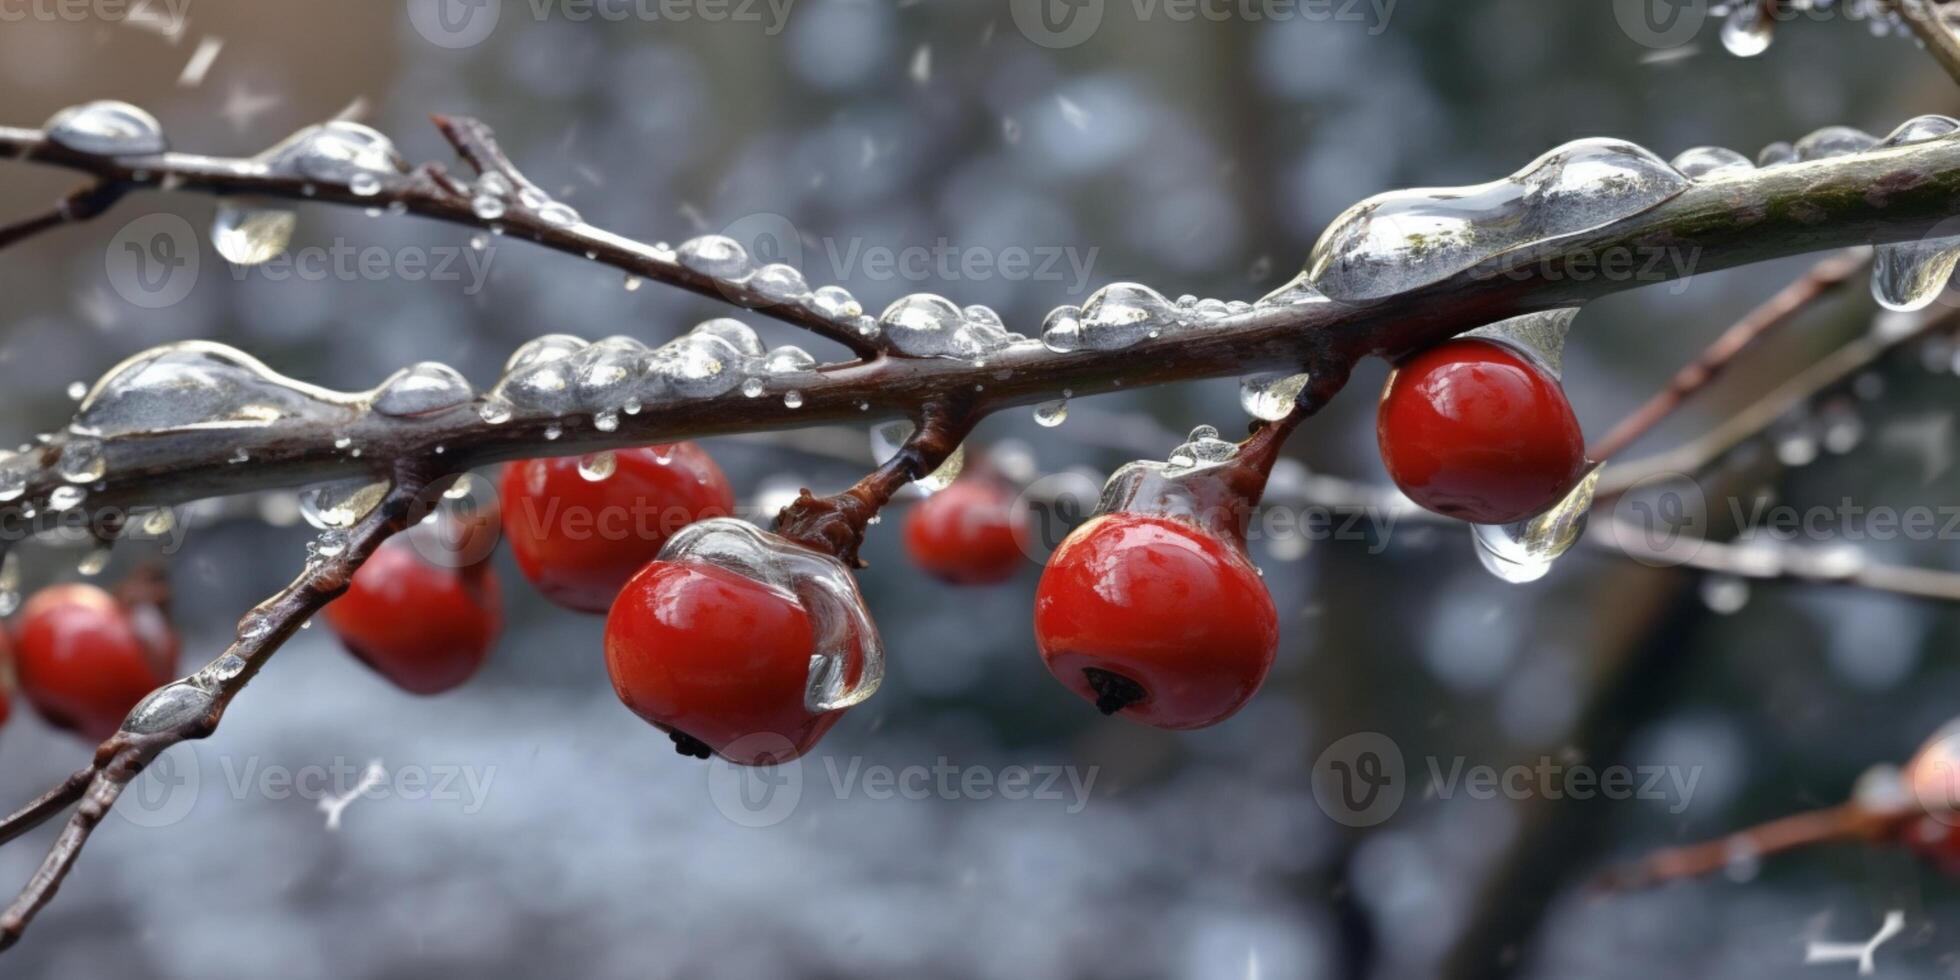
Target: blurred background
<point>1200,153</point>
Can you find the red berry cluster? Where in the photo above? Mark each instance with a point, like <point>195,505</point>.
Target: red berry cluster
<point>84,657</point>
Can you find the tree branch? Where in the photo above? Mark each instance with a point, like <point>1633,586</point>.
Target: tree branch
<point>1923,18</point>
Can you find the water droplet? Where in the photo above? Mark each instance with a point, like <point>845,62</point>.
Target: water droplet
<point>553,431</point>
<point>106,128</point>
<point>1908,276</point>
<point>9,583</point>
<point>1051,414</point>
<point>752,387</point>
<point>632,283</point>
<point>1776,154</point>
<point>487,207</point>
<point>82,461</point>
<point>605,421</point>
<point>1706,161</point>
<point>335,151</point>
<point>1746,32</point>
<point>250,236</point>
<point>479,241</point>
<point>559,214</point>
<point>1298,290</point>
<point>719,256</point>
<point>159,522</point>
<point>364,184</point>
<point>340,505</point>
<point>494,412</point>
<point>330,544</point>
<point>169,707</point>
<point>926,325</point>
<point>598,466</point>
<point>788,359</point>
<point>1271,396</point>
<point>887,437</point>
<point>1523,551</point>
<point>422,389</point>
<point>1834,141</point>
<point>1402,240</point>
<point>94,562</point>
<point>1116,316</point>
<point>779,282</point>
<point>68,496</point>
<point>793,399</point>
<point>836,303</point>
<point>14,470</point>
<point>77,391</point>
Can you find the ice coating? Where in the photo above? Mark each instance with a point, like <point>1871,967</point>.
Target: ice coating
<point>335,151</point>
<point>1540,335</point>
<point>1523,551</point>
<point>422,389</point>
<point>845,637</point>
<point>927,325</point>
<point>1201,451</point>
<point>888,437</point>
<point>1833,141</point>
<point>203,385</point>
<point>559,374</point>
<point>716,255</point>
<point>1402,240</point>
<point>341,505</point>
<point>170,706</point>
<point>1271,396</point>
<point>1708,161</point>
<point>1746,32</point>
<point>1908,276</point>
<point>107,128</point>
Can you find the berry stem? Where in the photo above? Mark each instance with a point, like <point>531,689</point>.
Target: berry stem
<point>835,524</point>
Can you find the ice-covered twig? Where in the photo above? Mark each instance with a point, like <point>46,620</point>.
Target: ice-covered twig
<point>1923,17</point>
<point>191,708</point>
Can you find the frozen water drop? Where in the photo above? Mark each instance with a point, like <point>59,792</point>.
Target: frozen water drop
<point>1746,32</point>
<point>716,255</point>
<point>1707,161</point>
<point>422,389</point>
<point>1271,396</point>
<point>106,128</point>
<point>793,399</point>
<point>779,282</point>
<point>598,466</point>
<point>1909,276</point>
<point>486,207</point>
<point>888,437</point>
<point>1121,314</point>
<point>335,151</point>
<point>159,522</point>
<point>1051,414</point>
<point>788,359</point>
<point>559,214</point>
<point>1834,141</point>
<point>13,475</point>
<point>605,421</point>
<point>198,384</point>
<point>1523,551</point>
<point>752,388</point>
<point>632,283</point>
<point>1061,331</point>
<point>494,412</point>
<point>364,184</point>
<point>68,496</point>
<point>479,241</point>
<point>926,325</point>
<point>553,431</point>
<point>77,390</point>
<point>250,236</point>
<point>93,563</point>
<point>1724,594</point>
<point>340,505</point>
<point>170,707</point>
<point>82,461</point>
<point>836,302</point>
<point>1395,242</point>
<point>1298,290</point>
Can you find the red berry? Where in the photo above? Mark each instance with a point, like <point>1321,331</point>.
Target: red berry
<point>579,540</point>
<point>1475,430</point>
<point>713,657</point>
<point>967,534</point>
<point>7,680</point>
<point>424,627</point>
<point>85,658</point>
<point>1159,618</point>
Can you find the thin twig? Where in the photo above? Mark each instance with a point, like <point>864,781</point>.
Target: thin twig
<point>1818,281</point>
<point>128,752</point>
<point>1923,18</point>
<point>81,205</point>
<point>1844,822</point>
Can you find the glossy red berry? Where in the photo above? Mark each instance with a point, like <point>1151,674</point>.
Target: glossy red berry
<point>85,657</point>
<point>1475,430</point>
<point>1158,618</point>
<point>424,627</point>
<point>719,661</point>
<point>578,540</point>
<point>968,533</point>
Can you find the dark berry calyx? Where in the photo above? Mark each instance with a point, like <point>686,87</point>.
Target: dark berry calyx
<point>1114,692</point>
